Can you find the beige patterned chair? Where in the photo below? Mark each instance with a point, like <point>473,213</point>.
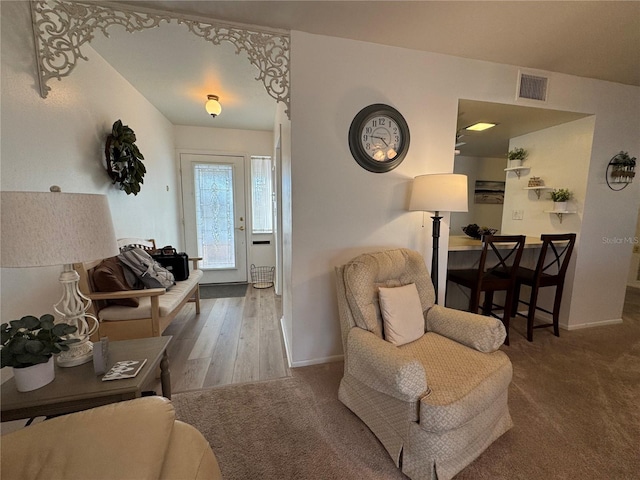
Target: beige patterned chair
<point>435,403</point>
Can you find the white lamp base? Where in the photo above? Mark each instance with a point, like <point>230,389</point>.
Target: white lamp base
<point>78,354</point>
<point>72,309</point>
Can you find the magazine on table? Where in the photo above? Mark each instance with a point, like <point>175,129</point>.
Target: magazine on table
<point>124,369</point>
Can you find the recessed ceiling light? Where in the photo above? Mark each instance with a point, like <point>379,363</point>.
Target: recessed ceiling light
<point>480,126</point>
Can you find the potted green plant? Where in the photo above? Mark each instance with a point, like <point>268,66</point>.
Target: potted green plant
<point>560,198</point>
<point>124,160</point>
<point>517,156</point>
<point>623,167</point>
<point>28,345</point>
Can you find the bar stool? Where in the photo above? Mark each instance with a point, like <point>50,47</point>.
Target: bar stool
<point>550,271</point>
<point>507,250</point>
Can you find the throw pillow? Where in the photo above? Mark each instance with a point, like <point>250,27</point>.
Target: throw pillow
<point>109,277</point>
<point>403,320</point>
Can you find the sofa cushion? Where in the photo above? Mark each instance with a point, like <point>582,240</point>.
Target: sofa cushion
<point>109,277</point>
<point>401,314</point>
<point>168,302</point>
<point>463,381</point>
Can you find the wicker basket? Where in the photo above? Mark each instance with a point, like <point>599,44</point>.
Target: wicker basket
<point>262,277</point>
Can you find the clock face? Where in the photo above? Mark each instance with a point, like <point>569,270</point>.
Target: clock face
<point>379,138</point>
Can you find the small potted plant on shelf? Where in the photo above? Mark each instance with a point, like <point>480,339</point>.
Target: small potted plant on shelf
<point>560,198</point>
<point>28,345</point>
<point>517,156</point>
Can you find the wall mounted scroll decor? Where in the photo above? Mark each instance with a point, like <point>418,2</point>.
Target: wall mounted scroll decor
<point>62,27</point>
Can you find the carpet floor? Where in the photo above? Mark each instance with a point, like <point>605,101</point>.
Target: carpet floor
<point>573,399</point>
<point>223,290</point>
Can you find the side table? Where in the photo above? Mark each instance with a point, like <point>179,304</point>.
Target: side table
<point>79,388</point>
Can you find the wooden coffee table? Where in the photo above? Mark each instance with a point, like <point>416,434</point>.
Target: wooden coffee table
<point>79,388</point>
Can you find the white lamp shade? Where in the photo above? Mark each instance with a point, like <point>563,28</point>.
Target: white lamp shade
<point>441,192</point>
<point>54,228</point>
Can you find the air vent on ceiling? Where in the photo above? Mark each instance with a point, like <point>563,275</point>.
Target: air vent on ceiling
<point>532,87</point>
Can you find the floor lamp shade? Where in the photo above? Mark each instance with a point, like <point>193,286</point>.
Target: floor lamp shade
<point>54,228</point>
<point>442,192</point>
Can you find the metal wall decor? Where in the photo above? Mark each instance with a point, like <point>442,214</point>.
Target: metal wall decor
<point>620,171</point>
<point>62,27</point>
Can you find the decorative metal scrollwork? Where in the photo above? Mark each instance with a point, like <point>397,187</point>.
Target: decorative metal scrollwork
<point>61,27</point>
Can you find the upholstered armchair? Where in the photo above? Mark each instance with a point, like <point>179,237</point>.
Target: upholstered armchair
<point>431,385</point>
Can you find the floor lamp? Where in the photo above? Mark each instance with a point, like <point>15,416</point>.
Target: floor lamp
<point>442,192</point>
<point>52,228</point>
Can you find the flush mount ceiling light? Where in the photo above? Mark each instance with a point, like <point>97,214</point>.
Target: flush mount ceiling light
<point>480,126</point>
<point>212,106</point>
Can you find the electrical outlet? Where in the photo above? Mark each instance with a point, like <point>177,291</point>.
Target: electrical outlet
<point>517,215</point>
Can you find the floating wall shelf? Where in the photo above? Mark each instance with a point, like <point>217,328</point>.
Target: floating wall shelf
<point>538,189</point>
<point>517,170</point>
<point>560,213</point>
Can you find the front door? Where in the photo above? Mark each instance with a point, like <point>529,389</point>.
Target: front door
<point>213,201</point>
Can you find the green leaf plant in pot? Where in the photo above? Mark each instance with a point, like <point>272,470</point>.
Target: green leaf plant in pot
<point>28,345</point>
<point>623,167</point>
<point>517,156</point>
<point>560,198</point>
<point>124,160</point>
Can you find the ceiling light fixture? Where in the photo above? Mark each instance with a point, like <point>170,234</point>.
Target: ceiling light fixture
<point>480,126</point>
<point>212,106</point>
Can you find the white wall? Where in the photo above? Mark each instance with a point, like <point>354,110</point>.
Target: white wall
<point>559,156</point>
<point>633,280</point>
<point>60,140</point>
<point>340,210</point>
<point>483,214</point>
<point>239,142</point>
<point>284,224</point>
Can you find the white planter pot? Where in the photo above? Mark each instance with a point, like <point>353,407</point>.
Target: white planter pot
<point>34,377</point>
<point>515,163</point>
<point>559,206</point>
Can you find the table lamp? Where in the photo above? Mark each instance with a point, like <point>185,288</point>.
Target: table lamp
<point>54,228</point>
<point>440,192</point>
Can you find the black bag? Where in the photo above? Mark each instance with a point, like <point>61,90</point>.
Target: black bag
<point>176,263</point>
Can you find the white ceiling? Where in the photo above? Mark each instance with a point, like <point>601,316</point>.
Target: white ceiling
<point>585,38</point>
<point>512,121</point>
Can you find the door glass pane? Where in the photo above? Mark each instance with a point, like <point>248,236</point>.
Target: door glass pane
<point>214,215</point>
<point>261,193</point>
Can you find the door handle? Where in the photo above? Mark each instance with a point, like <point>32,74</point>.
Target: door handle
<point>241,228</point>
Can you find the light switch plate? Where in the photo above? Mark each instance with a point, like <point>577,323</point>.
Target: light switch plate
<point>517,214</point>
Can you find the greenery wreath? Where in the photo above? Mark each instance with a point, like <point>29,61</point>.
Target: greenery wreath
<point>124,160</point>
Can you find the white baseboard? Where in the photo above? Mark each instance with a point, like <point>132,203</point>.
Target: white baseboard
<point>305,363</point>
<point>318,361</point>
<point>549,319</point>
<point>601,323</point>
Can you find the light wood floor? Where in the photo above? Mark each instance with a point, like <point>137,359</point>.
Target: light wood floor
<point>232,340</point>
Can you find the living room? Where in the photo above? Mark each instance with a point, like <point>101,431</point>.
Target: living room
<point>333,209</point>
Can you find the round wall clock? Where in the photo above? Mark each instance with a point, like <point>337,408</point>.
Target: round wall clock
<point>379,138</point>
